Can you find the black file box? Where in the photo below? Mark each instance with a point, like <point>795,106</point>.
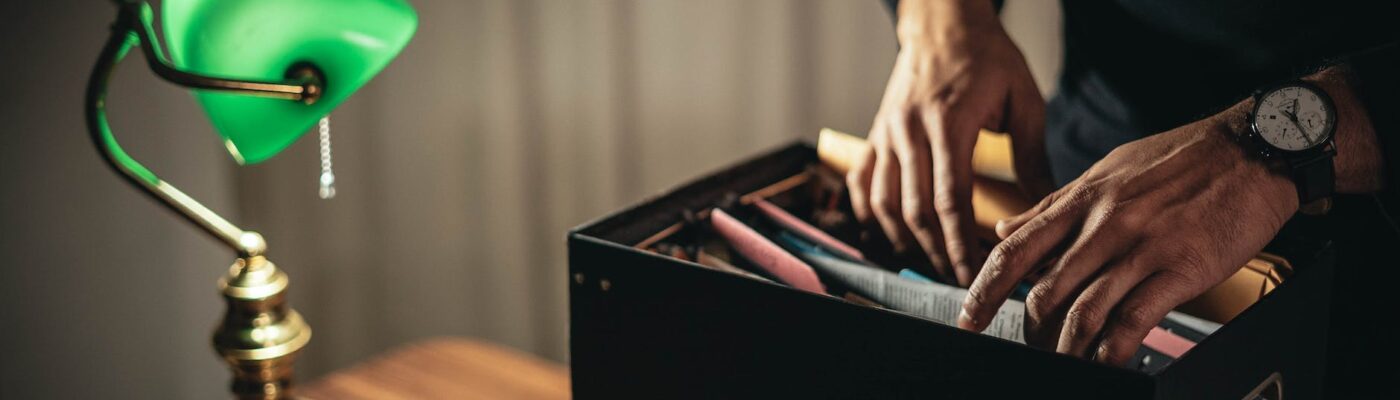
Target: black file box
<point>643,325</point>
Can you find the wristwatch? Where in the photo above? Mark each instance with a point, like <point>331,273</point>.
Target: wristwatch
<point>1291,127</point>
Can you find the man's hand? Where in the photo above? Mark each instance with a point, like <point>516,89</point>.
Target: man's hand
<point>957,72</point>
<point>1157,222</point>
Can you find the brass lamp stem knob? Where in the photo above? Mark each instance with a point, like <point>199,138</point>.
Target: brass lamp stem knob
<point>260,336</point>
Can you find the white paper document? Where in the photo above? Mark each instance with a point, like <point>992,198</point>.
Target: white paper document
<point>930,300</point>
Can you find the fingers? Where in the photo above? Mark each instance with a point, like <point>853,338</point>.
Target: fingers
<point>885,198</point>
<point>1026,125</point>
<point>1086,317</point>
<point>1008,226</point>
<point>858,185</point>
<point>912,149</point>
<point>1144,307</point>
<point>1048,303</point>
<point>951,139</point>
<point>1009,262</point>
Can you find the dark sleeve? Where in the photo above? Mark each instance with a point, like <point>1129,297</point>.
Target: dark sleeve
<point>1376,79</point>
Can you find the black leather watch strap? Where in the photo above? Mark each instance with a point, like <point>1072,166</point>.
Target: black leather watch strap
<point>1314,177</point>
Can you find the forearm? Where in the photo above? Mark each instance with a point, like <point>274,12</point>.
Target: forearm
<point>1359,165</point>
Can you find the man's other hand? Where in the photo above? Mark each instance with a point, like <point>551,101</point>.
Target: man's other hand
<point>957,72</point>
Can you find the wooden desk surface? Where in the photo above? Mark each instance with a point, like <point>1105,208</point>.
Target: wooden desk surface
<point>446,368</point>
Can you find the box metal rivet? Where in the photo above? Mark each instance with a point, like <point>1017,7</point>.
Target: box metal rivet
<point>578,278</point>
<point>605,284</point>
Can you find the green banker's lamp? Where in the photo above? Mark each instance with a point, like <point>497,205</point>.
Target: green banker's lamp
<point>266,71</point>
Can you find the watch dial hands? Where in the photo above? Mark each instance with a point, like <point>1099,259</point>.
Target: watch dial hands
<point>1292,115</point>
<point>1301,108</point>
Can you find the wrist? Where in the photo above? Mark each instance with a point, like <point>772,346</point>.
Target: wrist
<point>1271,179</point>
<point>1358,164</point>
<point>925,22</point>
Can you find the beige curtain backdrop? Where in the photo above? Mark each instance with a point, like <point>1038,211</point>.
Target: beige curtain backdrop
<point>507,122</point>
<point>503,124</point>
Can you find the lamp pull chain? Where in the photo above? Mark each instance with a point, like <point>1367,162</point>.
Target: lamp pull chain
<point>327,175</point>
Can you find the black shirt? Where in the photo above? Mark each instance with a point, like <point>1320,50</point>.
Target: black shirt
<point>1136,68</point>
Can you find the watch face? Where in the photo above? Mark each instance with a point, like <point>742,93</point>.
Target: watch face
<point>1294,118</point>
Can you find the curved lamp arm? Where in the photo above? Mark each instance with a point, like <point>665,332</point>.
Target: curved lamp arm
<point>131,29</point>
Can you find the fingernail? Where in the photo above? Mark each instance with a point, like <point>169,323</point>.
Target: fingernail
<point>965,321</point>
<point>1000,228</point>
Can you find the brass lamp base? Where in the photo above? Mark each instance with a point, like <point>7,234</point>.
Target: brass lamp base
<point>260,335</point>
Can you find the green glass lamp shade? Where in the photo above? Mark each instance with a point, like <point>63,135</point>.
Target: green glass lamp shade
<point>349,41</point>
